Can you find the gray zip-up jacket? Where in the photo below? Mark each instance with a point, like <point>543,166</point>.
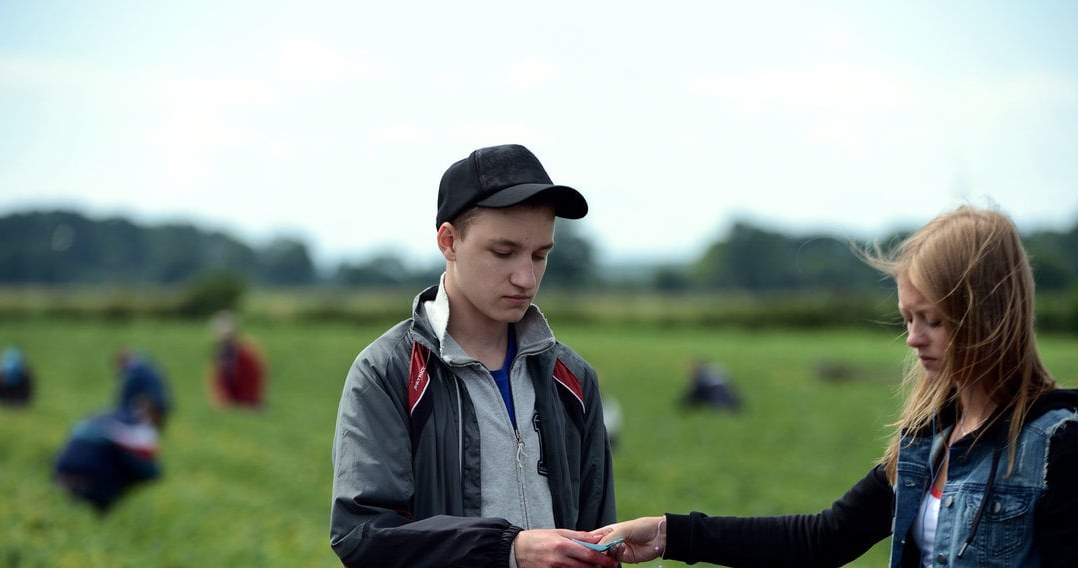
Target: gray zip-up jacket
<point>428,469</point>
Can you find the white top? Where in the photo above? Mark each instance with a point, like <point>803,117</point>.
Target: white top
<point>924,527</point>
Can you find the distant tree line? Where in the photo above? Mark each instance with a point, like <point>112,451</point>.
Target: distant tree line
<point>66,247</point>
<point>755,259</point>
<point>63,247</point>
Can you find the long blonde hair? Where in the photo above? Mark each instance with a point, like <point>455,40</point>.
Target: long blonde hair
<point>971,264</point>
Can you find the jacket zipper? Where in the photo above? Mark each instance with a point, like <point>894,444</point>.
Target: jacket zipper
<point>521,485</point>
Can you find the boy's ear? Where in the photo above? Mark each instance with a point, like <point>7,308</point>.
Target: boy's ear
<point>447,240</point>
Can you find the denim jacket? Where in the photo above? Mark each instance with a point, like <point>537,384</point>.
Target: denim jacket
<point>986,516</point>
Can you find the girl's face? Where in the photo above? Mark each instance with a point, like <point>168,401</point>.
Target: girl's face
<point>925,332</point>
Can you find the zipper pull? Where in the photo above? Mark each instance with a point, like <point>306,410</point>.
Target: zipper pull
<point>520,450</point>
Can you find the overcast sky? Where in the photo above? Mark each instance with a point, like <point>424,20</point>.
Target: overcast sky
<point>333,121</point>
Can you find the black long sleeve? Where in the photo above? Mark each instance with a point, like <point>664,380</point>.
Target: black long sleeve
<point>832,537</point>
<point>860,519</point>
<point>1056,517</point>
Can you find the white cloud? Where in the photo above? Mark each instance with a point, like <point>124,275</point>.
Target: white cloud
<point>312,63</point>
<point>530,74</point>
<point>404,132</point>
<point>64,76</point>
<point>210,93</point>
<point>826,88</point>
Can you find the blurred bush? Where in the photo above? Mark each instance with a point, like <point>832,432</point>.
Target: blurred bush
<point>210,293</point>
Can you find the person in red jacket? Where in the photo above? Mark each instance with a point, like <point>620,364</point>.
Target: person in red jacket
<point>238,374</point>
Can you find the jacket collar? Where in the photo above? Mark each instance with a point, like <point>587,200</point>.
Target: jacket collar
<point>430,311</point>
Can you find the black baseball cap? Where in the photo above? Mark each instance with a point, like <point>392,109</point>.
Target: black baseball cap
<point>502,176</point>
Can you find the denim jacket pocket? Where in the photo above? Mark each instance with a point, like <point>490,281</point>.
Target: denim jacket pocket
<point>1006,523</point>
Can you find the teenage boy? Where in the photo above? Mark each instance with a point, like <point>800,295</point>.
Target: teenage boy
<point>467,435</point>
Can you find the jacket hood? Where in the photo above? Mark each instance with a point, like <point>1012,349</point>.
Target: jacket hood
<point>1052,400</point>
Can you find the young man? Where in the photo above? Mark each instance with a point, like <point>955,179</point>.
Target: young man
<point>467,435</point>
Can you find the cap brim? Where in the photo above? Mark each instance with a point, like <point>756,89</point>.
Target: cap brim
<point>568,202</point>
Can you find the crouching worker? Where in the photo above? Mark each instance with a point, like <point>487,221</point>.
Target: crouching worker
<point>237,376</point>
<point>16,378</point>
<point>110,452</point>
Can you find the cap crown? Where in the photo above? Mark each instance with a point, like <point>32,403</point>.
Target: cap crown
<point>501,176</point>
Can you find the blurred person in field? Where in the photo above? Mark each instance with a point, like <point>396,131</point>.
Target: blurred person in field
<point>981,467</point>
<point>139,377</point>
<point>467,435</point>
<point>108,453</point>
<point>710,386</point>
<point>16,378</point>
<point>237,376</point>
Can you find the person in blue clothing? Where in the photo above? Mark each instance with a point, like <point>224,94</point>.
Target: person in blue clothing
<point>108,453</point>
<point>111,452</point>
<point>981,469</point>
<point>16,378</point>
<point>711,387</point>
<point>138,376</point>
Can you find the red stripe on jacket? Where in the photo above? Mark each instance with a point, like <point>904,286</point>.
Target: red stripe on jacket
<point>418,379</point>
<point>567,379</point>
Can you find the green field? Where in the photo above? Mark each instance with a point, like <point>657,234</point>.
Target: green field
<point>252,489</point>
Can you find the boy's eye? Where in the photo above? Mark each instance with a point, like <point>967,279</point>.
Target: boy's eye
<point>501,253</point>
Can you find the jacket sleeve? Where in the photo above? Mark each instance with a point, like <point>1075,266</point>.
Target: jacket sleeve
<point>582,486</point>
<point>371,522</point>
<point>597,481</point>
<point>833,537</point>
<point>1056,521</point>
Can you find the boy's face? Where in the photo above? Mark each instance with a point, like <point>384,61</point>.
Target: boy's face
<point>495,267</point>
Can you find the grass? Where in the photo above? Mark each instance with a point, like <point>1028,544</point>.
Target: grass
<point>252,488</point>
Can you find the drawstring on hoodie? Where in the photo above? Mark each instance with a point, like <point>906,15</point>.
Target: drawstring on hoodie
<point>984,500</point>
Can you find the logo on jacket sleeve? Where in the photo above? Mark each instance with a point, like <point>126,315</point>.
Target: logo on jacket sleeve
<point>567,379</point>
<point>418,379</point>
